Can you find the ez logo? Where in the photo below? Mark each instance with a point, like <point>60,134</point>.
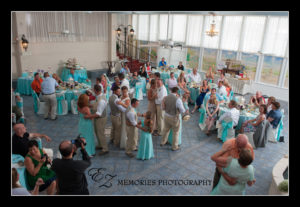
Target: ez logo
<point>99,176</point>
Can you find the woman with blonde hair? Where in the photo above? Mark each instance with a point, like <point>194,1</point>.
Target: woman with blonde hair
<point>151,103</point>
<point>210,75</point>
<point>85,126</point>
<point>182,84</point>
<point>212,108</point>
<point>227,86</point>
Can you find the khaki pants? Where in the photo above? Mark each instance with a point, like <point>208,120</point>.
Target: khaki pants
<point>159,118</point>
<point>132,137</point>
<point>115,134</point>
<point>50,106</point>
<point>174,124</point>
<point>99,127</point>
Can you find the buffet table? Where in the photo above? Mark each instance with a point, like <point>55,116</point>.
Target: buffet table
<point>80,72</point>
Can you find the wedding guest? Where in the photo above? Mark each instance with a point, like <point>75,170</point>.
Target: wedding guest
<point>124,81</point>
<point>220,99</point>
<point>185,102</point>
<point>15,109</point>
<point>271,99</point>
<point>75,76</point>
<point>90,95</point>
<point>125,70</point>
<point>99,116</point>
<point>85,126</point>
<point>36,84</point>
<point>148,67</point>
<point>182,84</point>
<point>212,107</point>
<point>232,147</point>
<point>19,190</point>
<point>116,83</point>
<point>157,75</point>
<point>172,82</point>
<point>222,77</point>
<point>35,164</point>
<point>203,90</point>
<point>239,168</point>
<point>221,90</point>
<point>145,149</point>
<point>143,72</point>
<point>161,93</point>
<point>274,116</point>
<point>162,63</point>
<point>133,80</point>
<point>258,99</point>
<point>195,76</point>
<point>103,82</point>
<point>227,86</point>
<point>250,125</point>
<point>209,75</point>
<point>233,113</point>
<point>57,78</point>
<point>151,104</point>
<point>180,66</point>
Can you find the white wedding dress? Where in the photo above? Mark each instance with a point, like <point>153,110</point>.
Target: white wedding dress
<point>123,130</point>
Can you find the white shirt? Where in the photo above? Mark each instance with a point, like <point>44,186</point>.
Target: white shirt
<point>161,93</point>
<point>48,85</point>
<point>120,107</point>
<point>179,105</point>
<point>125,82</point>
<point>195,78</point>
<point>233,113</point>
<point>269,108</point>
<point>172,82</point>
<point>222,91</point>
<point>101,105</point>
<point>131,116</point>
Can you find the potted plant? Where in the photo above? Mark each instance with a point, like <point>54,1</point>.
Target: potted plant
<point>284,186</point>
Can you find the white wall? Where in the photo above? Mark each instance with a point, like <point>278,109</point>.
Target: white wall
<point>277,92</point>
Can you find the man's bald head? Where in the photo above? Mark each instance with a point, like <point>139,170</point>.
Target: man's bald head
<point>241,141</point>
<point>19,129</point>
<point>66,148</point>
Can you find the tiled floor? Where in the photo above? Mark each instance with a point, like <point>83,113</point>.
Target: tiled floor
<point>191,162</point>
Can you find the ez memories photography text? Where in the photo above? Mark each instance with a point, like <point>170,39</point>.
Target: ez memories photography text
<point>164,182</point>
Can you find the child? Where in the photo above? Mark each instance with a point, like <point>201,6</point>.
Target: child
<point>185,102</point>
<point>145,150</point>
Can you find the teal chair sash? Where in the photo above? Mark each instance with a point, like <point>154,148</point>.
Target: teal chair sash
<point>280,127</point>
<point>231,95</point>
<point>107,92</point>
<point>202,113</point>
<point>35,102</point>
<point>226,126</point>
<point>59,105</point>
<point>138,87</point>
<point>17,158</point>
<point>75,99</point>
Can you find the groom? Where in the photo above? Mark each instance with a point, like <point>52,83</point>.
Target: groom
<point>99,114</point>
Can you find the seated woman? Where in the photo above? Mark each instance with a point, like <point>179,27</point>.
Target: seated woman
<point>210,75</point>
<point>212,107</point>
<point>239,169</point>
<point>250,125</point>
<point>181,81</point>
<point>203,90</point>
<point>19,190</point>
<point>222,77</point>
<point>227,86</point>
<point>57,78</point>
<point>35,163</point>
<point>143,72</point>
<point>271,100</point>
<point>257,99</point>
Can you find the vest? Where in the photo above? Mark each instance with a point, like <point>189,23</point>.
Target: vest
<point>113,108</point>
<point>133,111</point>
<point>94,108</point>
<point>170,102</point>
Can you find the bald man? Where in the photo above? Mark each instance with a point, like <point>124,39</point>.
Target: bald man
<point>233,147</point>
<point>258,99</point>
<point>21,138</point>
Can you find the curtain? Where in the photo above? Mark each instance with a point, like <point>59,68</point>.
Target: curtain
<point>82,26</point>
<point>194,30</point>
<point>231,32</point>
<point>163,24</point>
<point>176,56</point>
<point>179,28</point>
<point>253,33</point>
<point>153,28</point>
<point>212,42</point>
<point>143,25</point>
<point>276,36</point>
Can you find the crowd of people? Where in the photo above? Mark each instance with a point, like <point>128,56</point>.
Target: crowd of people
<point>166,108</point>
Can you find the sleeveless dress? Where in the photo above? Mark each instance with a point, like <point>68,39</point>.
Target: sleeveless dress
<point>201,96</point>
<point>145,150</point>
<point>45,173</point>
<point>234,170</point>
<point>211,109</point>
<point>123,129</point>
<point>170,138</point>
<point>86,129</point>
<point>250,128</point>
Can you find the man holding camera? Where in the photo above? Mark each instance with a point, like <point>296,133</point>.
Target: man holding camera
<point>70,173</point>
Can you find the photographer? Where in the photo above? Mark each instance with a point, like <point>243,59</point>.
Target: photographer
<point>70,173</point>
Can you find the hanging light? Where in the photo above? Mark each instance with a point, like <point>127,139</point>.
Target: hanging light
<point>119,31</point>
<point>131,32</point>
<point>212,31</point>
<point>24,42</point>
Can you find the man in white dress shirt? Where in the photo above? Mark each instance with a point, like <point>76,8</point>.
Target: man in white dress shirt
<point>233,112</point>
<point>99,116</point>
<point>131,129</point>
<point>173,106</point>
<point>48,90</point>
<point>161,93</point>
<point>195,76</point>
<point>172,82</point>
<point>125,82</point>
<point>221,90</point>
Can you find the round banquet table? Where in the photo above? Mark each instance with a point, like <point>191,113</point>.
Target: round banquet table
<point>69,95</point>
<point>244,115</point>
<point>24,85</point>
<point>66,72</point>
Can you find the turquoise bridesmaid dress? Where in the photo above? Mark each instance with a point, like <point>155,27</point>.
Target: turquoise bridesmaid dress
<point>145,151</point>
<point>86,129</point>
<point>170,138</point>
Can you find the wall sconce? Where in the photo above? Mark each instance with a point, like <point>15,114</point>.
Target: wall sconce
<point>119,31</point>
<point>132,32</point>
<point>24,42</point>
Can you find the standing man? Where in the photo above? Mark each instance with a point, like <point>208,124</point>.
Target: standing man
<point>162,63</point>
<point>124,81</point>
<point>36,84</point>
<point>172,105</point>
<point>48,89</point>
<point>99,116</point>
<point>131,129</point>
<point>161,93</point>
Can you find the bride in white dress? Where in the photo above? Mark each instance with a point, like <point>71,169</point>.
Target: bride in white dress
<point>125,102</point>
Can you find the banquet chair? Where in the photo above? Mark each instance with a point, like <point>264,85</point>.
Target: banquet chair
<point>138,91</point>
<point>74,103</point>
<point>272,134</point>
<point>225,129</point>
<point>62,104</point>
<point>20,106</point>
<point>37,104</point>
<point>231,95</point>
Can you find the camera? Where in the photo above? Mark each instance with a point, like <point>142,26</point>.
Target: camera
<point>77,142</point>
<point>46,162</point>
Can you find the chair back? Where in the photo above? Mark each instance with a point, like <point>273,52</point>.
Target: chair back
<point>227,124</point>
<point>231,95</point>
<point>36,102</point>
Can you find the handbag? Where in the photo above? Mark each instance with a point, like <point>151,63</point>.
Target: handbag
<point>281,139</point>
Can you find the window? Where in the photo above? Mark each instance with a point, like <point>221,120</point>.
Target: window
<point>192,58</point>
<point>143,25</point>
<point>286,79</point>
<point>250,63</point>
<point>194,30</point>
<point>231,32</point>
<point>179,28</point>
<point>209,58</point>
<point>153,27</point>
<point>228,55</point>
<point>271,70</point>
<point>163,26</point>
<point>212,42</point>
